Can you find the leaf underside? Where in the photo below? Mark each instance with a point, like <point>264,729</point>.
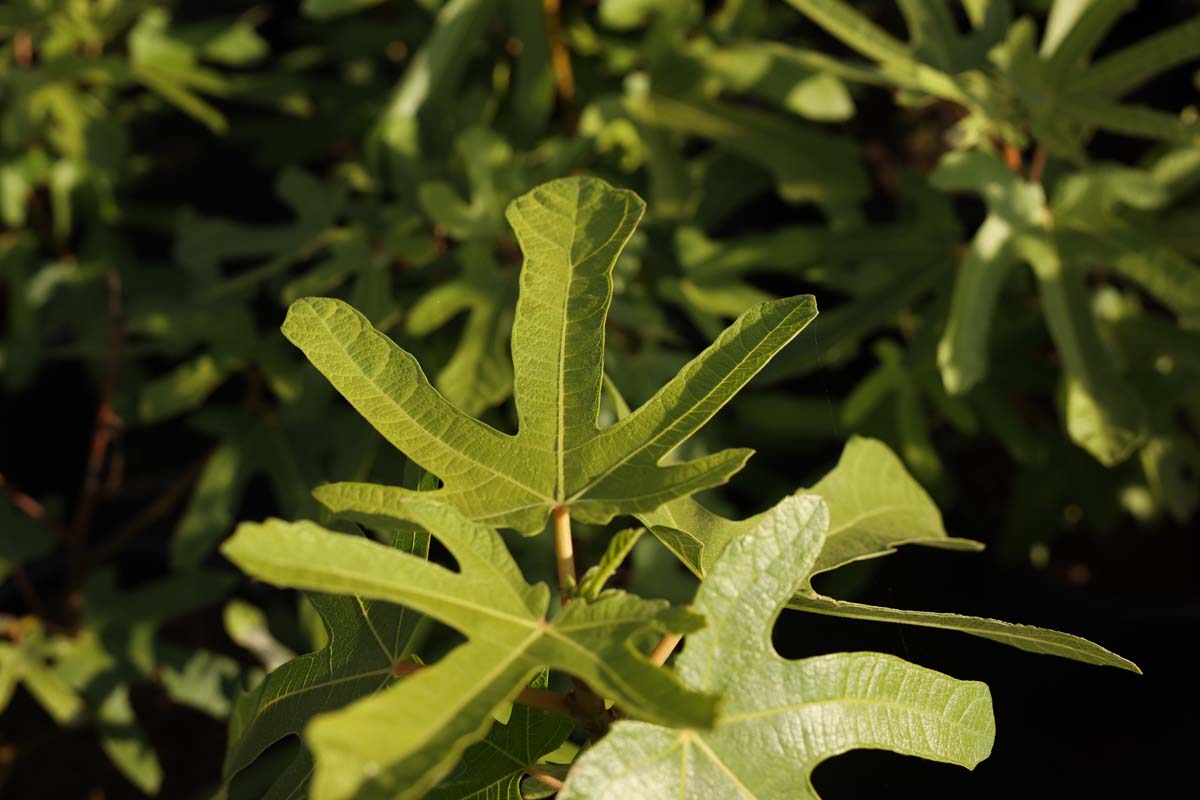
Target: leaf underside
<point>781,718</point>
<point>571,231</point>
<point>359,750</point>
<point>874,506</point>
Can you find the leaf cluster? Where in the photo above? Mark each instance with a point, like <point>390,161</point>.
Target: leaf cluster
<point>172,178</point>
<point>699,728</point>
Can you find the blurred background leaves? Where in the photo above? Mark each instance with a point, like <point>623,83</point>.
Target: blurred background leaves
<point>996,204</point>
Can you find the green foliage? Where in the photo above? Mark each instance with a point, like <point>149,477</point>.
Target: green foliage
<point>1013,88</point>
<point>358,751</point>
<point>780,719</point>
<point>366,640</point>
<point>756,566</point>
<point>572,232</point>
<point>175,178</point>
<point>874,506</point>
<point>495,766</point>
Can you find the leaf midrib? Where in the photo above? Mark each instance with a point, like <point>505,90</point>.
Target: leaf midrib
<point>314,686</point>
<point>878,512</point>
<point>937,619</point>
<point>560,488</point>
<point>749,716</point>
<point>387,592</point>
<point>561,451</point>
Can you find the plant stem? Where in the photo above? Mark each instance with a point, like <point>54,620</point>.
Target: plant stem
<point>662,651</point>
<point>163,505</point>
<point>107,424</point>
<point>560,61</point>
<point>36,512</point>
<point>22,44</point>
<point>551,702</point>
<point>1037,164</point>
<point>564,552</point>
<point>564,79</point>
<point>1012,157</point>
<point>24,503</point>
<point>27,591</point>
<point>545,777</point>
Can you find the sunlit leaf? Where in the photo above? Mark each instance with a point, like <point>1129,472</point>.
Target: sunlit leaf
<point>572,231</point>
<point>359,750</point>
<point>493,768</point>
<point>366,640</point>
<point>780,718</point>
<point>868,518</point>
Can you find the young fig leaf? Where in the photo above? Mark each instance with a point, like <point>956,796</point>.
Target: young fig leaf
<point>781,718</point>
<point>360,751</point>
<point>571,231</point>
<point>493,768</point>
<point>366,640</point>
<point>874,506</point>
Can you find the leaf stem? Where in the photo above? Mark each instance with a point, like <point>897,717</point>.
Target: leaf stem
<point>545,777</point>
<point>1012,157</point>
<point>662,651</point>
<point>24,503</point>
<point>106,427</point>
<point>1037,164</point>
<point>564,552</point>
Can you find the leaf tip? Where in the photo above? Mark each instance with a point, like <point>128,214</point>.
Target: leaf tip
<point>327,494</point>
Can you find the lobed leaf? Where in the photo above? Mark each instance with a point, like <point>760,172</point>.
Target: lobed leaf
<point>572,232</point>
<point>781,718</point>
<point>366,639</point>
<point>874,506</point>
<point>492,769</point>
<point>359,751</point>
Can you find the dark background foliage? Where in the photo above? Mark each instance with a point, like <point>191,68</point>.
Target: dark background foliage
<point>185,208</point>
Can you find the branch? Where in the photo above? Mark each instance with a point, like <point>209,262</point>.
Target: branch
<point>36,512</point>
<point>1012,157</point>
<point>27,591</point>
<point>107,423</point>
<point>560,58</point>
<point>24,503</point>
<point>22,45</point>
<point>167,500</point>
<point>1037,164</point>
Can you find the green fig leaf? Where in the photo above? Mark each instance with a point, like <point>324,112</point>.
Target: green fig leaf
<point>359,750</point>
<point>874,506</point>
<point>781,718</point>
<point>572,231</point>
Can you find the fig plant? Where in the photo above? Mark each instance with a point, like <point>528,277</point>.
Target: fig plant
<point>730,718</point>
